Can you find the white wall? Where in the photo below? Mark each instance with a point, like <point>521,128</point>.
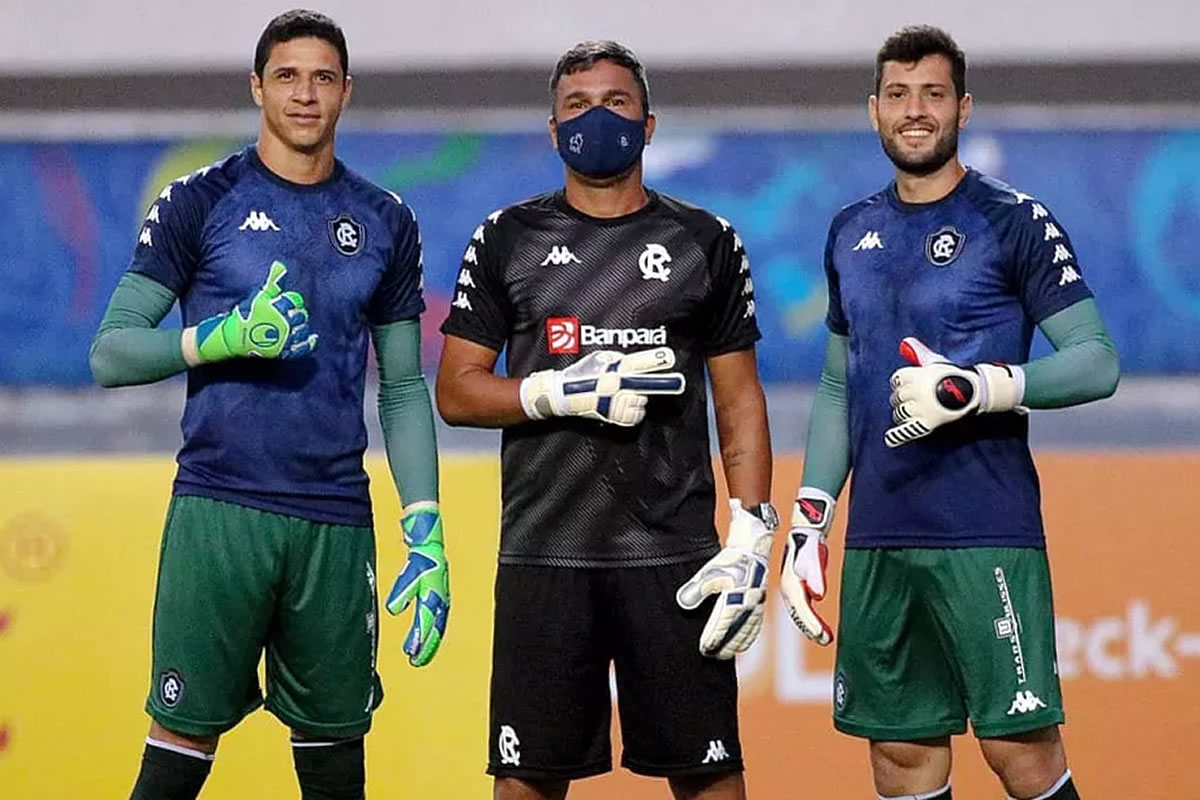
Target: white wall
<point>80,35</point>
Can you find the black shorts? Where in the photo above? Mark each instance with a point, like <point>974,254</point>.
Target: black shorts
<point>557,631</point>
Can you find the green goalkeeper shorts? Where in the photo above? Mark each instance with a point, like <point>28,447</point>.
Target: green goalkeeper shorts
<point>931,637</point>
<point>233,582</point>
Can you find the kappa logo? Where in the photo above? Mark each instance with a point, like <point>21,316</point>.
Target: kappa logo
<point>1069,275</point>
<point>258,221</point>
<point>170,688</point>
<point>145,238</point>
<point>465,279</point>
<point>1024,702</point>
<point>562,335</point>
<point>462,301</point>
<point>653,263</point>
<point>944,245</point>
<point>347,235</point>
<point>560,255</point>
<point>869,241</point>
<point>1061,254</point>
<point>509,746</point>
<point>716,752</point>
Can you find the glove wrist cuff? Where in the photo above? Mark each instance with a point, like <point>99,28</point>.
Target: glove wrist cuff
<point>813,509</point>
<point>1003,387</point>
<point>538,395</point>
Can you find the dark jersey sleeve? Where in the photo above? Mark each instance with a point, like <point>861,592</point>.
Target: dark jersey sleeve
<point>1045,271</point>
<point>399,294</point>
<point>835,317</point>
<point>480,311</point>
<point>169,244</point>
<point>731,323</point>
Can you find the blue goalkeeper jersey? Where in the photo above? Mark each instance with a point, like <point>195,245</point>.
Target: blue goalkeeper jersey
<point>283,435</point>
<point>970,275</point>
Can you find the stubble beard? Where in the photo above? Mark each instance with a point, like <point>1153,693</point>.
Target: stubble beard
<point>945,149</point>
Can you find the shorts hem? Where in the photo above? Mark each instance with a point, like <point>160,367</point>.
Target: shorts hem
<point>1023,725</point>
<point>192,727</point>
<point>332,730</point>
<point>900,733</point>
<point>549,773</point>
<point>731,765</point>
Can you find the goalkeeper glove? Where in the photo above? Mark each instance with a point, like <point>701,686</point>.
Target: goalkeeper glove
<point>803,579</point>
<point>270,323</point>
<point>738,576</point>
<point>935,392</point>
<point>606,385</point>
<point>425,578</point>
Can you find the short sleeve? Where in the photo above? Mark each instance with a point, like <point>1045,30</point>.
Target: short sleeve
<point>835,316</point>
<point>480,311</point>
<point>400,292</point>
<point>169,243</point>
<point>731,324</point>
<point>1046,272</point>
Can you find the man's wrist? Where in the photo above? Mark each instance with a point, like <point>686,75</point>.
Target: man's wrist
<point>188,348</point>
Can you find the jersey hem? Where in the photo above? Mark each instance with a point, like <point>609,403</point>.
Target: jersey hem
<point>584,562</point>
<point>279,504</point>
<point>964,542</point>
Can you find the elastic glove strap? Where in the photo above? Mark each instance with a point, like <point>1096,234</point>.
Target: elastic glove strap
<point>813,509</point>
<point>1002,387</point>
<point>541,395</point>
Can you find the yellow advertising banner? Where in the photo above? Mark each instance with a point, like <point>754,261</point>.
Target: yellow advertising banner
<point>78,552</point>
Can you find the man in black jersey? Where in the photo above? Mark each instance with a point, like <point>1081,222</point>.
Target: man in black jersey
<point>611,301</point>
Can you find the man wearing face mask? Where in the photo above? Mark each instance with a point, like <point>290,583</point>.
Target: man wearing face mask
<point>611,300</point>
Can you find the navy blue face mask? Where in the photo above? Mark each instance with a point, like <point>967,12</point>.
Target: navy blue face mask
<point>600,143</point>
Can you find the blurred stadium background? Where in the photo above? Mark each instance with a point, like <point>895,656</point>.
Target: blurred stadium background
<point>1093,106</point>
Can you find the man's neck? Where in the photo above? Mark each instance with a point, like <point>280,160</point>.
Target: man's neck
<point>616,199</point>
<point>932,187</point>
<point>292,165</point>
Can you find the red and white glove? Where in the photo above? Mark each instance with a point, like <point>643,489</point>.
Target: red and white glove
<point>935,392</point>
<point>803,579</point>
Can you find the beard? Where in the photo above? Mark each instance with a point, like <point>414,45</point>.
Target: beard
<point>944,149</point>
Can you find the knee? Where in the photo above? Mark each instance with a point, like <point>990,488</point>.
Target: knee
<point>1026,763</point>
<point>905,768</point>
<point>202,744</point>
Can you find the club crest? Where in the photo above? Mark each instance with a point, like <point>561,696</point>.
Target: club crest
<point>347,235</point>
<point>944,245</point>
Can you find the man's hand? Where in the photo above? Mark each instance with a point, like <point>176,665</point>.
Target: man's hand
<point>607,386</point>
<point>270,323</point>
<point>802,581</point>
<point>426,578</point>
<point>738,576</point>
<point>936,392</point>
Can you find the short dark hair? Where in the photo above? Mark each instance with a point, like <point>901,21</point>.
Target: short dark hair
<point>909,45</point>
<point>297,24</point>
<point>584,56</point>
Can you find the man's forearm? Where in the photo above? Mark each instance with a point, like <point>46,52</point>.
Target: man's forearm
<point>1084,365</point>
<point>746,447</point>
<point>128,348</point>
<point>827,448</point>
<point>479,398</point>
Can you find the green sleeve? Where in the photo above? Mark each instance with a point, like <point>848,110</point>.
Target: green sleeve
<point>1083,366</point>
<point>827,449</point>
<point>129,348</point>
<point>405,411</point>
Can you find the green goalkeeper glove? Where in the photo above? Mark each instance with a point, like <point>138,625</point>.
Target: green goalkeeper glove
<point>426,578</point>
<point>270,323</point>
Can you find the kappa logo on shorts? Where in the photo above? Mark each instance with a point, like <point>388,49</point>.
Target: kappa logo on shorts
<point>840,691</point>
<point>716,752</point>
<point>347,235</point>
<point>1024,702</point>
<point>509,746</point>
<point>170,688</point>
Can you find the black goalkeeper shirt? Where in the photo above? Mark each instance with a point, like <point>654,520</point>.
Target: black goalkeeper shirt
<point>549,285</point>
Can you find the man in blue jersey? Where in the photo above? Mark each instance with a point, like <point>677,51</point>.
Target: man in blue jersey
<point>284,264</point>
<point>946,611</point>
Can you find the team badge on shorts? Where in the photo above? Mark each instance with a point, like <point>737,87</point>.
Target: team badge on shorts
<point>347,235</point>
<point>944,245</point>
<point>840,690</point>
<point>170,688</point>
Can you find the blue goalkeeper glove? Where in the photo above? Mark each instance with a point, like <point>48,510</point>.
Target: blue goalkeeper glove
<point>425,578</point>
<point>606,386</point>
<point>270,323</point>
<point>738,576</point>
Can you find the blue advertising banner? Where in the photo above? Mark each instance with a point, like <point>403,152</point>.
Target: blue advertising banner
<point>1129,199</point>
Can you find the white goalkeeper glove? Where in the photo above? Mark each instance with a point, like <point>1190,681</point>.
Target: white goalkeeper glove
<point>803,578</point>
<point>606,385</point>
<point>738,576</point>
<point>935,392</point>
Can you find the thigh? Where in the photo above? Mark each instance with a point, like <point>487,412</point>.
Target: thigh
<point>894,680</point>
<point>551,710</point>
<point>322,648</point>
<point>995,605</point>
<point>678,708</point>
<point>213,606</point>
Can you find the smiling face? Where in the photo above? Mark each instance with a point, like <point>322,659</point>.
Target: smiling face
<point>918,114</point>
<point>302,93</point>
